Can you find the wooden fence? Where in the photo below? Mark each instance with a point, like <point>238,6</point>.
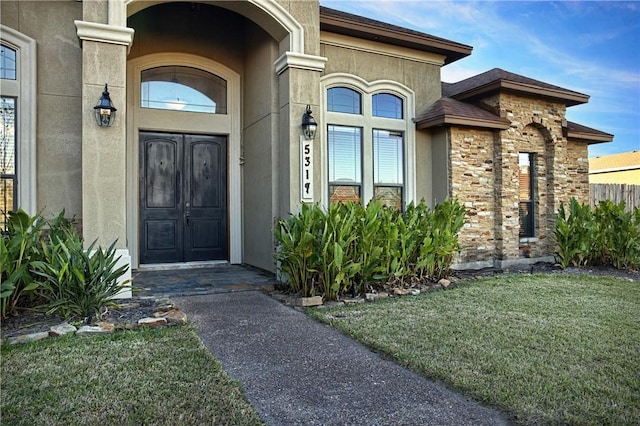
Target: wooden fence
<point>615,192</point>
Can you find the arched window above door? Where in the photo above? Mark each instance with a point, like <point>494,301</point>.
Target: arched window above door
<point>181,88</point>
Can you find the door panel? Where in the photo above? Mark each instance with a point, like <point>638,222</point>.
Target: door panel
<point>183,201</point>
<point>206,164</point>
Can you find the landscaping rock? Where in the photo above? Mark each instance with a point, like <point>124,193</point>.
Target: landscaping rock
<point>176,316</point>
<point>371,297</point>
<point>152,322</point>
<point>353,301</point>
<point>444,283</point>
<point>164,304</point>
<point>308,301</point>
<point>400,291</point>
<point>62,329</point>
<point>25,338</point>
<point>108,327</point>
<point>90,330</point>
<point>414,292</point>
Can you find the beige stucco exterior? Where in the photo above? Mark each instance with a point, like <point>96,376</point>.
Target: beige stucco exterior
<point>277,59</point>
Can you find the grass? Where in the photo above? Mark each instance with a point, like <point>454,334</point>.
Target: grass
<point>155,376</point>
<point>546,349</point>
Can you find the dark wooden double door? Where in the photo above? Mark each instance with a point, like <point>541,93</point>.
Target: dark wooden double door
<point>183,197</point>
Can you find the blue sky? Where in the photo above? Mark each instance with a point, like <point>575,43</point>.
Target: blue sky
<point>592,47</point>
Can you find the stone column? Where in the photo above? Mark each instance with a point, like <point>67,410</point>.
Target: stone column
<point>104,51</point>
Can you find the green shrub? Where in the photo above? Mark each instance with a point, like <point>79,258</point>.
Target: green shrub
<point>43,261</point>
<point>607,235</point>
<point>618,236</point>
<point>349,248</point>
<point>575,233</point>
<point>19,248</point>
<point>78,282</point>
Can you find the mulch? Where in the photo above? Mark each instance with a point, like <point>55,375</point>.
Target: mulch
<point>29,321</point>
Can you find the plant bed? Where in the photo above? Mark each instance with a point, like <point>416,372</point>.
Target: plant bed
<point>126,315</point>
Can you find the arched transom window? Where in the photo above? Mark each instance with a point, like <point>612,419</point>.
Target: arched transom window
<point>181,88</point>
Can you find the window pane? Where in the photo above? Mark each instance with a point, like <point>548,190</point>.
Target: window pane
<point>526,219</point>
<point>526,213</point>
<point>183,89</point>
<point>342,99</point>
<point>345,154</point>
<point>8,201</point>
<point>387,105</point>
<point>390,196</point>
<point>387,157</point>
<point>7,136</point>
<point>525,177</point>
<point>7,63</point>
<point>344,193</point>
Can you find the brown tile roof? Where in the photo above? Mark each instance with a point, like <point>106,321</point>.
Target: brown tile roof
<point>587,134</point>
<point>622,161</point>
<point>339,22</point>
<point>450,111</point>
<point>497,80</point>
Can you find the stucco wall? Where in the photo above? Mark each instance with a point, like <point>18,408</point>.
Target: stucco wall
<point>436,182</point>
<point>261,164</point>
<point>59,98</point>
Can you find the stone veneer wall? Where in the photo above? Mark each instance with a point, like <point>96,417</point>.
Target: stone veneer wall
<point>472,181</point>
<point>485,178</point>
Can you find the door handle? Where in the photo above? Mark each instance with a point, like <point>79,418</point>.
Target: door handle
<point>187,214</point>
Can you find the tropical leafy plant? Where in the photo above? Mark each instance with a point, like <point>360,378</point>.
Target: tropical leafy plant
<point>20,247</point>
<point>606,235</point>
<point>349,248</point>
<point>78,282</point>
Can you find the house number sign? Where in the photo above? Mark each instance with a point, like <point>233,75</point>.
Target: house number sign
<point>306,170</point>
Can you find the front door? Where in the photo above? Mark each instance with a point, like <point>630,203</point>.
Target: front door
<point>183,197</point>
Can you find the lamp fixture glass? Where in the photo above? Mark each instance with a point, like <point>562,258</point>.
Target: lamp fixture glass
<point>105,112</point>
<point>309,125</point>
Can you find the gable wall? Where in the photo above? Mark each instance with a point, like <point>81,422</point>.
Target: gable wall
<point>485,177</point>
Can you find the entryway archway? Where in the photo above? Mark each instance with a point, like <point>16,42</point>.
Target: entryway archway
<point>161,228</point>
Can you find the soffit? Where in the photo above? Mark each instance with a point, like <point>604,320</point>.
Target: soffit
<point>368,29</point>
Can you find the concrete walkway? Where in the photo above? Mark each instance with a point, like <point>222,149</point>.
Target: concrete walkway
<point>296,371</point>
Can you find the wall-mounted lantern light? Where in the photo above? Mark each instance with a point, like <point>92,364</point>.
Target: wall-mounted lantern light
<point>309,125</point>
<point>105,111</point>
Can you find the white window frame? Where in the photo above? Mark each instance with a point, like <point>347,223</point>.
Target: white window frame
<point>24,89</point>
<point>368,123</point>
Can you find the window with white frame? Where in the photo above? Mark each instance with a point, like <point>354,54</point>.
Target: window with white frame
<point>366,143</point>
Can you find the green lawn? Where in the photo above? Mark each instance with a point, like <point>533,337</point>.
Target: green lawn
<point>544,348</point>
<point>157,376</point>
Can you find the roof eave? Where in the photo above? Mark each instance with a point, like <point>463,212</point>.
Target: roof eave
<point>590,138</point>
<point>569,98</point>
<point>341,25</point>
<point>449,120</point>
